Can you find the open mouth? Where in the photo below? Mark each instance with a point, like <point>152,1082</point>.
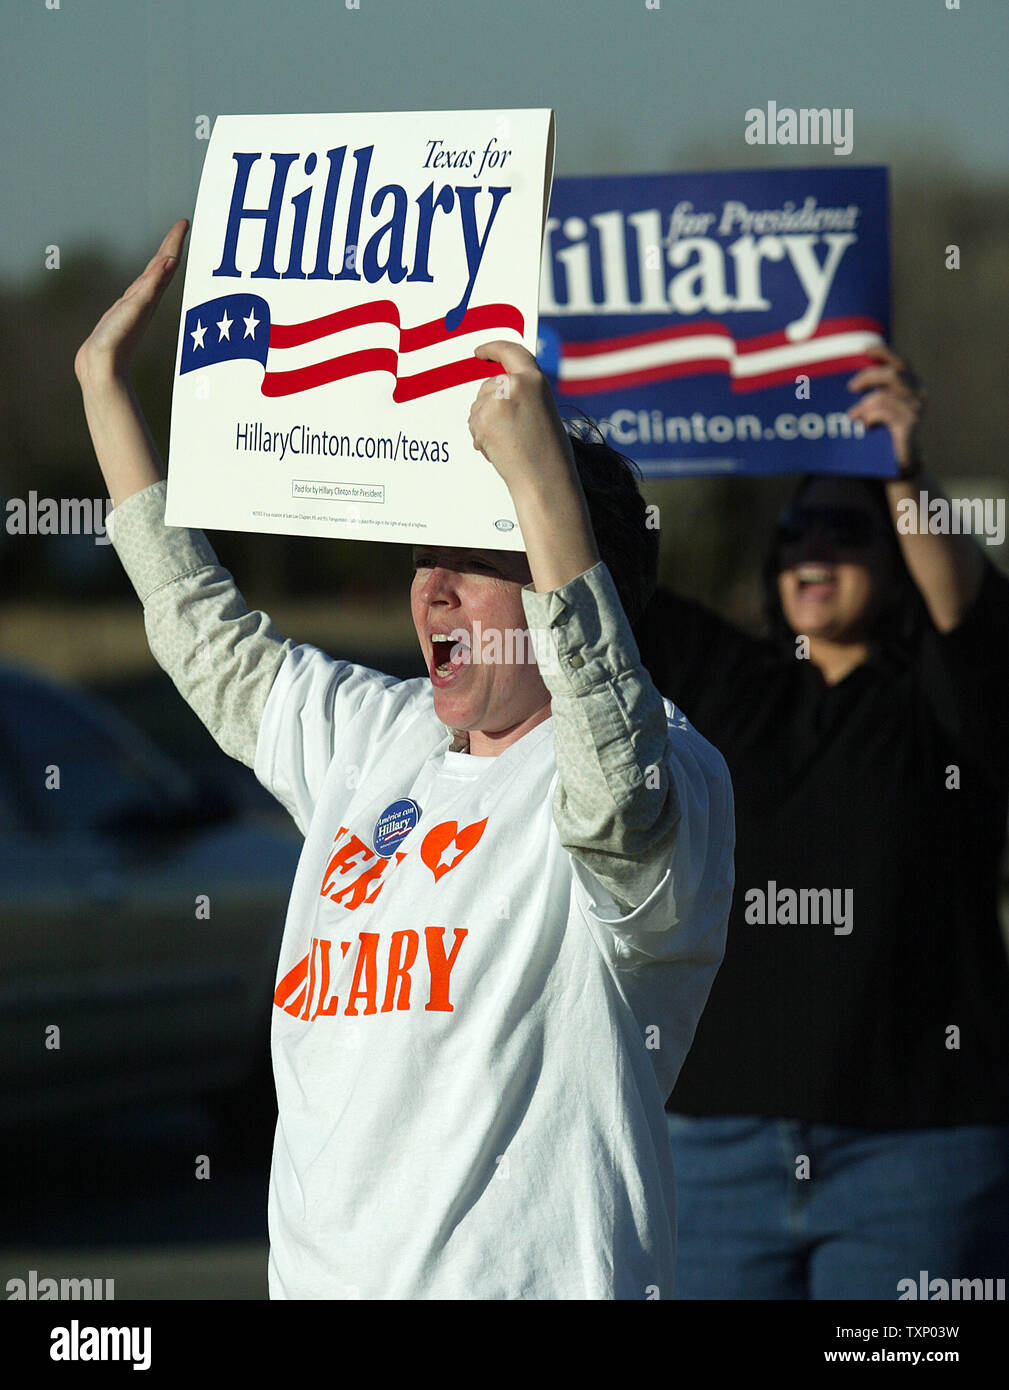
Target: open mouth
<point>816,580</point>
<point>450,653</point>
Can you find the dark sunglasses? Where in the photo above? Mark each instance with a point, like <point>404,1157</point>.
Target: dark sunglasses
<point>844,526</point>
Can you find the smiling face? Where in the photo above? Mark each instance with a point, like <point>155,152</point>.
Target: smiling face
<point>453,590</point>
<point>834,561</point>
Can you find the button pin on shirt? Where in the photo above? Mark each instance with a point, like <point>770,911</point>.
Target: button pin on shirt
<point>394,825</point>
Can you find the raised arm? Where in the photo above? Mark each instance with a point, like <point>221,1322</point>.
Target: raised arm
<point>616,807</point>
<point>124,448</point>
<point>222,658</point>
<point>947,569</point>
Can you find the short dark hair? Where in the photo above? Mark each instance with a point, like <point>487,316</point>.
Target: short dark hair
<point>627,545</point>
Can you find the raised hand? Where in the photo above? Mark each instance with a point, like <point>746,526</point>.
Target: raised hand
<point>514,420</point>
<point>896,402</point>
<point>107,353</point>
<point>124,448</point>
<point>515,424</point>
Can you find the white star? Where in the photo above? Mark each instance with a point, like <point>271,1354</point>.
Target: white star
<point>251,324</point>
<point>197,335</point>
<point>443,857</point>
<point>225,328</point>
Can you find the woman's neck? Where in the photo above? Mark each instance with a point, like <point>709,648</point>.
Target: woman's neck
<point>835,660</point>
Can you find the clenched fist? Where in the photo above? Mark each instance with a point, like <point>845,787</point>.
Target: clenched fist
<point>514,420</point>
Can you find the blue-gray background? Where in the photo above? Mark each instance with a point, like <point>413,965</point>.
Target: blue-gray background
<point>99,98</point>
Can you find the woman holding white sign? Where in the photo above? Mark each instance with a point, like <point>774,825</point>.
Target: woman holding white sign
<point>512,896</point>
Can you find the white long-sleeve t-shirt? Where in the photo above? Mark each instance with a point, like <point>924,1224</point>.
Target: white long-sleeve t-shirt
<point>492,967</point>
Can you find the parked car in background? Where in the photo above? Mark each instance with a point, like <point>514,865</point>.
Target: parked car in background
<point>140,915</point>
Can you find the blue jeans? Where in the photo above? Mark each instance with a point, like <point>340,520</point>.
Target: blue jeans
<point>875,1208</point>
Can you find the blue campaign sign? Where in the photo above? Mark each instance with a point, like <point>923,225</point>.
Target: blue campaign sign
<point>711,322</point>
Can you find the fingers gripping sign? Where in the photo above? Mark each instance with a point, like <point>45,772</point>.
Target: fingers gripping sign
<point>515,425</point>
<point>514,420</point>
<point>894,399</point>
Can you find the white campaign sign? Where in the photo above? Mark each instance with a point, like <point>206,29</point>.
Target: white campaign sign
<point>341,271</point>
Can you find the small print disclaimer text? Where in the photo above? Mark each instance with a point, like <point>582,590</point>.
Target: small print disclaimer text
<point>337,492</point>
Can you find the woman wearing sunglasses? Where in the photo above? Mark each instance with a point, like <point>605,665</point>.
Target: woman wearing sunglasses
<point>841,1124</point>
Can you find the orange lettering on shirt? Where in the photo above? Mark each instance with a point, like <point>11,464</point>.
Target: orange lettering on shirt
<point>294,977</point>
<point>358,890</point>
<point>304,992</point>
<point>403,943</point>
<point>351,856</point>
<point>343,860</point>
<point>322,1008</point>
<point>367,964</point>
<point>440,967</point>
<point>310,992</point>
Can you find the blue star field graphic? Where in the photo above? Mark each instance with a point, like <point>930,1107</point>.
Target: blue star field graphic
<point>221,330</point>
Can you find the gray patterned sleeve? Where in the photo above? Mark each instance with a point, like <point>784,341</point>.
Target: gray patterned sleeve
<point>615,806</point>
<point>222,658</point>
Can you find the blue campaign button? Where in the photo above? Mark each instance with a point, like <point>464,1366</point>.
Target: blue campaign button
<point>393,826</point>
